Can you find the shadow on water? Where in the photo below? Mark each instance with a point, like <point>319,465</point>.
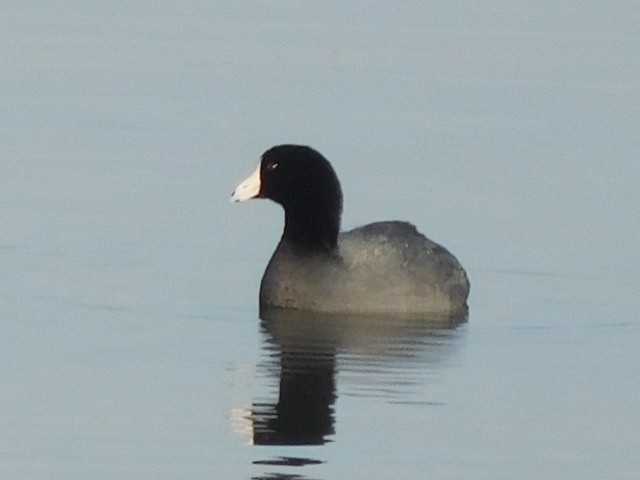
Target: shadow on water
<point>303,351</point>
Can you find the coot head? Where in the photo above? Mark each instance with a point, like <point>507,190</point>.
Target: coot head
<point>305,184</point>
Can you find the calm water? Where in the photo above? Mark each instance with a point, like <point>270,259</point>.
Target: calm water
<point>131,342</point>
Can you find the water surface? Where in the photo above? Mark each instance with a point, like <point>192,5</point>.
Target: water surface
<point>132,345</point>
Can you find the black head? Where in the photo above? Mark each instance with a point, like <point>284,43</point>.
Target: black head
<point>293,174</point>
<point>304,183</point>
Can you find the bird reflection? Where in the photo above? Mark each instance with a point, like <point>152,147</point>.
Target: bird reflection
<point>303,348</point>
<point>303,414</point>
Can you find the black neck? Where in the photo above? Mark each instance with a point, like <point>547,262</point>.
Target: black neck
<point>311,230</point>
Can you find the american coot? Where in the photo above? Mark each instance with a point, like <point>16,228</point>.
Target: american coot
<point>384,267</point>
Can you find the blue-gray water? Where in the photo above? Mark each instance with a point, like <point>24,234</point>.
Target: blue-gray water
<point>130,343</point>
